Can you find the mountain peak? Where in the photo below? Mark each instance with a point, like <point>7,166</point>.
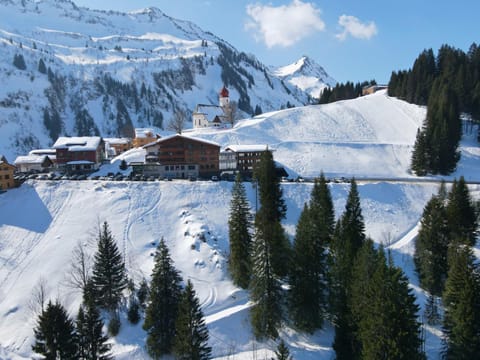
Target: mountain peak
<point>307,75</point>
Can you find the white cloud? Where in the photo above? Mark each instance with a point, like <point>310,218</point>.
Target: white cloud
<point>354,27</point>
<point>283,25</point>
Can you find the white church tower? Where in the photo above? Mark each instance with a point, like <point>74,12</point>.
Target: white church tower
<point>224,99</point>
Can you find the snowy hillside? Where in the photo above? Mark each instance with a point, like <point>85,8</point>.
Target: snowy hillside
<point>85,72</point>
<point>307,75</point>
<point>371,135</point>
<point>42,221</point>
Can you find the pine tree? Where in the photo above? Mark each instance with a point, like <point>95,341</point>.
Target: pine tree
<point>282,352</point>
<point>385,312</point>
<point>92,342</point>
<point>108,275</point>
<point>272,211</point>
<point>191,339</point>
<point>41,67</point>
<point>162,309</point>
<point>19,62</point>
<point>307,300</point>
<point>266,314</point>
<point>321,207</point>
<point>239,233</point>
<point>420,163</point>
<point>431,247</point>
<point>462,306</point>
<point>55,335</point>
<point>461,213</point>
<point>348,238</point>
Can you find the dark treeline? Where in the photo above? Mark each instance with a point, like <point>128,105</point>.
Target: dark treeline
<point>341,91</point>
<point>460,70</point>
<point>448,84</point>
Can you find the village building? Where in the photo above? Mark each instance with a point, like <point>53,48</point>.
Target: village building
<point>143,136</point>
<point>217,116</point>
<point>51,153</point>
<point>371,89</point>
<point>79,154</point>
<point>117,146</point>
<point>241,158</point>
<point>180,156</point>
<point>6,174</point>
<point>33,163</point>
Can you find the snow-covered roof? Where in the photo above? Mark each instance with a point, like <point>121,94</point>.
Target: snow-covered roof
<point>80,162</point>
<point>159,141</point>
<point>48,152</point>
<point>247,148</point>
<point>82,143</point>
<point>144,132</point>
<point>117,141</point>
<point>210,111</point>
<point>30,159</point>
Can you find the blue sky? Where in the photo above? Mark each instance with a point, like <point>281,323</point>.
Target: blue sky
<point>353,40</point>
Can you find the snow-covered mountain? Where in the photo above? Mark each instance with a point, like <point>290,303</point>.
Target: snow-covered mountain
<point>68,70</point>
<point>307,75</point>
<point>42,221</point>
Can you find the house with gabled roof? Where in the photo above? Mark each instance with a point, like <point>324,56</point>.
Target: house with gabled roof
<point>33,163</point>
<point>182,156</point>
<point>79,154</point>
<point>6,174</point>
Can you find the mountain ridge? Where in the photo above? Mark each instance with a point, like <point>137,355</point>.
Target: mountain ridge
<point>107,72</point>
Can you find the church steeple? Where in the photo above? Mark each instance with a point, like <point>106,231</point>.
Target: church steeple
<point>223,98</point>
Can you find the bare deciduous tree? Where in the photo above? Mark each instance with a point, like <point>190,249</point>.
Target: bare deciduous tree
<point>177,123</point>
<point>39,297</point>
<point>79,272</point>
<point>232,112</point>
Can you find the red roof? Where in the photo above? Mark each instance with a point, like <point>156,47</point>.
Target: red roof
<point>224,92</point>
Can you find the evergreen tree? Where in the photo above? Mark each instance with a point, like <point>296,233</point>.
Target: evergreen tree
<point>282,352</point>
<point>462,306</point>
<point>384,310</point>
<point>308,275</point>
<point>461,213</point>
<point>55,336</point>
<point>266,314</point>
<point>321,207</point>
<point>348,238</point>
<point>142,293</point>
<point>191,339</point>
<point>41,67</point>
<point>108,275</point>
<point>431,247</point>
<point>420,162</point>
<point>239,234</point>
<point>272,211</point>
<point>92,343</point>
<point>19,62</point>
<point>162,309</point>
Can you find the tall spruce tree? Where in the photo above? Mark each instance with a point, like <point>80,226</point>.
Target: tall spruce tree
<point>384,310</point>
<point>108,276</point>
<point>322,211</point>
<point>307,297</point>
<point>462,306</point>
<point>55,336</point>
<point>92,343</point>
<point>191,340</point>
<point>162,308</point>
<point>272,211</point>
<point>239,225</point>
<point>265,291</point>
<point>348,238</point>
<point>461,213</point>
<point>431,247</point>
